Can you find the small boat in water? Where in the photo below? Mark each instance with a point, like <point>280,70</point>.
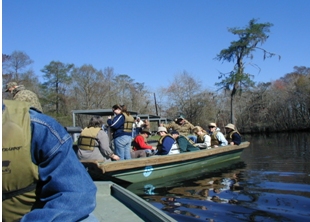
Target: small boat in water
<point>150,168</point>
<point>115,203</point>
<point>154,167</point>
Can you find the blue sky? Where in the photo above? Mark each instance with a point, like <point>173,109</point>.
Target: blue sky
<point>154,40</point>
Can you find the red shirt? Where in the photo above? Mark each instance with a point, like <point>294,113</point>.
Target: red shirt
<point>139,143</point>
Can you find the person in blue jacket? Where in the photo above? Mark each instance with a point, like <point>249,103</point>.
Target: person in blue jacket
<point>42,178</point>
<point>166,143</point>
<point>121,126</point>
<point>232,135</point>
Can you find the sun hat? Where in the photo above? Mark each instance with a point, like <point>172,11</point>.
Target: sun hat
<point>212,124</point>
<point>9,85</point>
<point>230,126</point>
<point>161,129</point>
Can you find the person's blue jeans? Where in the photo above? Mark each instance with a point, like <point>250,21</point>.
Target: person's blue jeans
<point>122,146</point>
<point>193,138</point>
<point>133,133</point>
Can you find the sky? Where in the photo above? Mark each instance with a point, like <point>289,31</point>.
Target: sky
<point>152,41</point>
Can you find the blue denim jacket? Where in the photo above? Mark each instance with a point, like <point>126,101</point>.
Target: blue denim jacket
<point>68,193</point>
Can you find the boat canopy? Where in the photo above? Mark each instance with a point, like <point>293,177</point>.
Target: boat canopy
<point>153,118</point>
<point>109,112</point>
<point>97,112</point>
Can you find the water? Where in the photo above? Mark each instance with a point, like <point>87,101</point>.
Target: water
<point>271,182</point>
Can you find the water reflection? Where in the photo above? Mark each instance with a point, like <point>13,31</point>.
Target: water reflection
<point>173,205</point>
<point>214,189</point>
<point>271,183</point>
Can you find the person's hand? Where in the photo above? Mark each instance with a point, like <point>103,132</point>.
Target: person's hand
<point>161,124</point>
<point>216,146</point>
<point>232,143</point>
<point>109,117</point>
<point>154,148</point>
<point>115,157</point>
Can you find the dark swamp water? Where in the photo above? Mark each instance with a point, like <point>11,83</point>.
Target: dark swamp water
<point>270,182</point>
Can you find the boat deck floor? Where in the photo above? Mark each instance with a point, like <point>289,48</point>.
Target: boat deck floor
<point>110,209</point>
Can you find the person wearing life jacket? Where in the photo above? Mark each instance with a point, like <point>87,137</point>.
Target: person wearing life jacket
<point>183,126</point>
<point>185,144</point>
<point>42,180</point>
<point>233,136</point>
<point>203,139</point>
<point>166,143</point>
<point>217,138</point>
<point>93,142</point>
<point>121,126</point>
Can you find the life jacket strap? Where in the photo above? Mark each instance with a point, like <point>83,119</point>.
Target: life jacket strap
<point>14,193</point>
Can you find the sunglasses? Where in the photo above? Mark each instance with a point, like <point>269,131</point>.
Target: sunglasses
<point>211,126</point>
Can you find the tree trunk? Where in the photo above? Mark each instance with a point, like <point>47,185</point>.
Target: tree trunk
<point>232,109</point>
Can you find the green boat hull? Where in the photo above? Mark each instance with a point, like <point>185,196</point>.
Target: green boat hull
<point>152,172</point>
<point>155,167</point>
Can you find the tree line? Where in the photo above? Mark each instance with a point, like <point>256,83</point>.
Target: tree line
<point>281,105</point>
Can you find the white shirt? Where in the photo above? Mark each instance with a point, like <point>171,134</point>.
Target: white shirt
<point>206,142</point>
<point>138,124</point>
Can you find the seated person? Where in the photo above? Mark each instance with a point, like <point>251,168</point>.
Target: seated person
<point>233,136</point>
<point>185,144</point>
<point>183,126</point>
<point>42,179</point>
<point>203,139</point>
<point>139,143</point>
<point>166,144</point>
<point>93,143</point>
<point>217,138</point>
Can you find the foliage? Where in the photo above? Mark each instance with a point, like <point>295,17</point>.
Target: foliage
<point>272,106</point>
<point>89,87</point>
<point>15,69</point>
<point>244,48</point>
<point>57,76</point>
<point>187,98</point>
<point>15,65</point>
